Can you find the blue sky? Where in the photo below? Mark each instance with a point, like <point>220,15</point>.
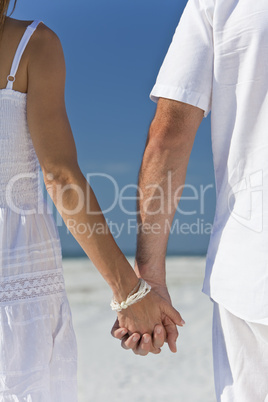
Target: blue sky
<point>113,51</point>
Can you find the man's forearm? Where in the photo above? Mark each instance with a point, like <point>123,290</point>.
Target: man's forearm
<point>161,181</point>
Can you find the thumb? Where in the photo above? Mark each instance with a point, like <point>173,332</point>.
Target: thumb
<point>173,314</point>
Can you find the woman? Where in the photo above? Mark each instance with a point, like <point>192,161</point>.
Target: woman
<point>38,351</point>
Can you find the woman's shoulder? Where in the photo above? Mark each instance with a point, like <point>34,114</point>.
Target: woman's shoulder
<point>43,48</point>
<point>42,34</point>
<point>44,45</point>
<point>45,52</point>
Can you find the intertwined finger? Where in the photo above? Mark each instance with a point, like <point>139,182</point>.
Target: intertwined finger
<point>118,332</point>
<point>159,336</point>
<point>130,342</point>
<point>145,346</point>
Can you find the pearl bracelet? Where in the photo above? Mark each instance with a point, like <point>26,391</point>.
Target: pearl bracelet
<point>143,290</point>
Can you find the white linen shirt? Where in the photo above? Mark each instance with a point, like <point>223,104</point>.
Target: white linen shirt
<point>218,61</point>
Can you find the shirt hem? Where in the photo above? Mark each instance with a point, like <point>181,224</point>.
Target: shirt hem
<point>181,94</point>
<point>233,311</point>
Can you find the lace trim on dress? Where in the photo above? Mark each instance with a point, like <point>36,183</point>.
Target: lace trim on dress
<point>36,285</point>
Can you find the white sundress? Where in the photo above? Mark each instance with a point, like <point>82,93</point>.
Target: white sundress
<point>38,348</point>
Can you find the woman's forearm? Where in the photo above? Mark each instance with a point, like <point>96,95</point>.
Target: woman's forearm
<point>79,208</point>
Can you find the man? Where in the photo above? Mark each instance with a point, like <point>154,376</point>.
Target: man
<point>218,62</point>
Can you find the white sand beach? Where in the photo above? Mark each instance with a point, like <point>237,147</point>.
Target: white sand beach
<point>106,372</point>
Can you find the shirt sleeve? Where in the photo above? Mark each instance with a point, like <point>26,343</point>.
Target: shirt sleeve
<point>186,74</point>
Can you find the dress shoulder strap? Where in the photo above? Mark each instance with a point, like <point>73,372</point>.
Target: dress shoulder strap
<point>20,49</point>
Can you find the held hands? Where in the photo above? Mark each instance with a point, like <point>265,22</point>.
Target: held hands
<point>147,324</point>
